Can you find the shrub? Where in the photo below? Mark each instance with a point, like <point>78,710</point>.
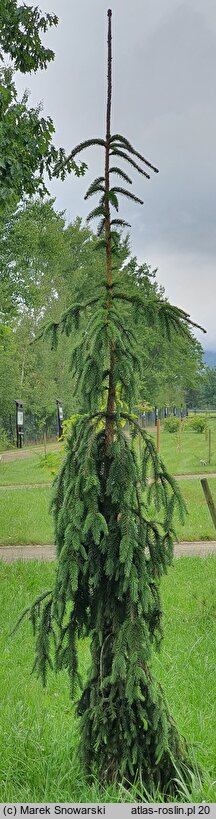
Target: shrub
<point>197,423</point>
<point>51,462</point>
<point>4,440</point>
<point>171,424</point>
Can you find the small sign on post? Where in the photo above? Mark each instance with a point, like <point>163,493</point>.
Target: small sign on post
<point>156,415</point>
<point>60,418</point>
<point>19,424</point>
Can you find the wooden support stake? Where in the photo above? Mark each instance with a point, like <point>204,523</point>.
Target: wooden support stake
<point>209,446</point>
<point>158,435</point>
<point>209,499</point>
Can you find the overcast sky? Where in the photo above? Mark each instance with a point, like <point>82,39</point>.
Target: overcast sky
<point>164,70</point>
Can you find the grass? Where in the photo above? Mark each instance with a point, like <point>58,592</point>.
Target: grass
<point>186,665</point>
<point>26,470</point>
<point>25,517</point>
<point>198,523</point>
<point>183,453</point>
<point>180,461</point>
<point>39,730</point>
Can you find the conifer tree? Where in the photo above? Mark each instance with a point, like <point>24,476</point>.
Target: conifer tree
<point>111,552</point>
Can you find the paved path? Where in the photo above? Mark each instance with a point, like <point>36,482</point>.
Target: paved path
<point>25,485</point>
<point>16,454</point>
<point>199,475</point>
<point>8,554</point>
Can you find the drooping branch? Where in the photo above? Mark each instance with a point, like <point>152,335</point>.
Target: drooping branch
<point>127,146</point>
<point>116,152</point>
<point>128,194</point>
<point>162,309</point>
<point>122,174</point>
<point>77,150</point>
<point>67,318</point>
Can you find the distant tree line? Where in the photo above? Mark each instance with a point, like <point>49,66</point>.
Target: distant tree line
<point>43,262</point>
<point>203,395</point>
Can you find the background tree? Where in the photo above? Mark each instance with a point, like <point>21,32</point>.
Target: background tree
<point>43,262</point>
<point>203,395</point>
<point>26,147</point>
<point>170,365</point>
<point>20,35</point>
<point>111,553</point>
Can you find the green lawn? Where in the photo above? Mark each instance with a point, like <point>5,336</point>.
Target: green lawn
<point>182,454</point>
<point>39,730</point>
<point>25,517</point>
<point>28,470</point>
<point>198,523</point>
<point>186,665</point>
<point>186,460</point>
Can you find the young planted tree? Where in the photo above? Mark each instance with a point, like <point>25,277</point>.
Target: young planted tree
<point>111,553</point>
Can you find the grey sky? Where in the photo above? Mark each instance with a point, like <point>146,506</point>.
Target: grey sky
<point>164,69</point>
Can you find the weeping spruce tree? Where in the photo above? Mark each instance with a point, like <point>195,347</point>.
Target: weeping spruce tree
<point>111,554</point>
